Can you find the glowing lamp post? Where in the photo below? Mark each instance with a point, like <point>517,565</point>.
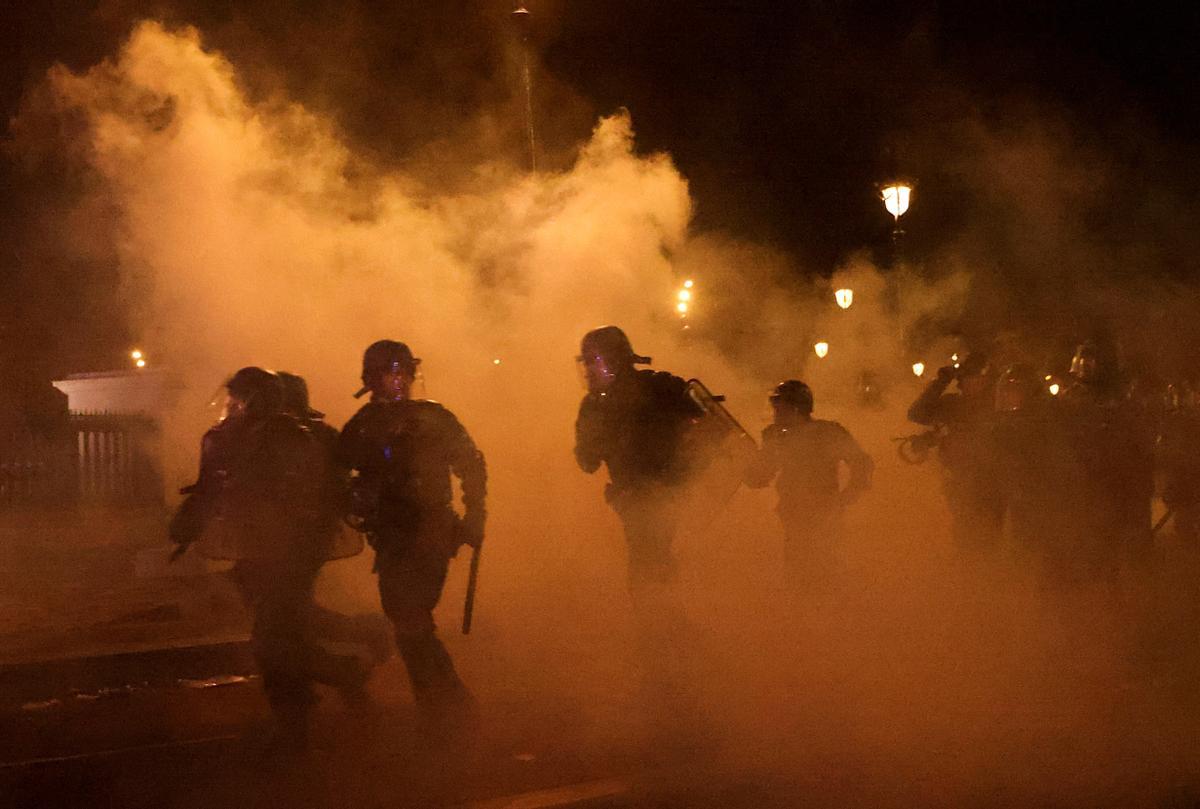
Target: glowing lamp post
<point>918,369</point>
<point>896,197</point>
<point>683,298</point>
<point>844,297</point>
<point>821,349</point>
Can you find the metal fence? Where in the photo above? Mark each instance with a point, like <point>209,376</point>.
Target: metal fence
<point>92,458</point>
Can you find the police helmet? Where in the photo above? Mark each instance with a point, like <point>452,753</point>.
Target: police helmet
<point>1086,361</point>
<point>385,356</point>
<point>795,393</point>
<point>295,396</point>
<point>1017,386</point>
<point>259,388</point>
<point>612,344</point>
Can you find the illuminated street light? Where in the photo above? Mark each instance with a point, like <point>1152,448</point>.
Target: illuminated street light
<point>896,197</point>
<point>496,361</point>
<point>918,369</point>
<point>683,298</point>
<point>844,297</point>
<point>1054,389</point>
<point>821,349</point>
<point>140,363</point>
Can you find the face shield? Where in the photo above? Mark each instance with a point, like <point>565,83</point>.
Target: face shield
<point>1084,365</point>
<point>596,372</point>
<point>223,405</point>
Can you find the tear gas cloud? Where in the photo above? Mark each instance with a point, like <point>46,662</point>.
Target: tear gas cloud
<point>249,232</point>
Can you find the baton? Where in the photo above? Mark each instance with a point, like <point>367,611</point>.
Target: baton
<point>472,581</point>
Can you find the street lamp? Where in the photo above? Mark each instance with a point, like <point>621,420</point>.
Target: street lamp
<point>821,349</point>
<point>844,297</point>
<point>139,359</point>
<point>683,298</point>
<point>896,197</point>
<point>918,369</point>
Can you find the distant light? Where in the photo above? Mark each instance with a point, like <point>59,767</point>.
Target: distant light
<point>896,198</point>
<point>496,361</point>
<point>1054,389</point>
<point>135,354</point>
<point>844,297</point>
<point>918,368</point>
<point>821,349</point>
<point>1049,377</point>
<point>685,294</point>
<point>954,357</point>
<point>141,363</point>
<point>681,307</point>
<point>687,284</point>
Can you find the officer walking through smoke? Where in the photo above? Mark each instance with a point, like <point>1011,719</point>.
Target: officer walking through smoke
<point>261,500</point>
<point>402,453</point>
<point>1179,458</point>
<point>371,632</point>
<point>965,451</point>
<point>634,422</point>
<point>1039,475</point>
<point>804,455</point>
<point>1114,443</point>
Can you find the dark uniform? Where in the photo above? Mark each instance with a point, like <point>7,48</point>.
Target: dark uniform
<point>1179,457</point>
<point>635,423</point>
<point>259,501</point>
<point>804,455</point>
<point>1114,444</point>
<point>370,631</point>
<point>966,451</point>
<point>403,453</point>
<point>1041,479</point>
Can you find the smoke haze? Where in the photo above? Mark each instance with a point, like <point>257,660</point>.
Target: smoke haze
<point>250,230</point>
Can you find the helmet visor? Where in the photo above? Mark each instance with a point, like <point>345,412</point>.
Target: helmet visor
<point>596,372</point>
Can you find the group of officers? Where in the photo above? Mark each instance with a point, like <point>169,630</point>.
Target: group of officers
<point>277,486</point>
<point>1072,475</point>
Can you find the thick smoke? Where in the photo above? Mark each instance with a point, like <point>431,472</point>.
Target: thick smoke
<point>250,232</point>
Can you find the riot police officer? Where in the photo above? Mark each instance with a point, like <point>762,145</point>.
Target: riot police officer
<point>371,631</point>
<point>402,452</point>
<point>260,501</point>
<point>966,452</point>
<point>804,456</point>
<point>635,422</point>
<point>1114,442</point>
<point>1179,457</point>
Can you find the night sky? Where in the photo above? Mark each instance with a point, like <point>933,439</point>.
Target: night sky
<point>783,116</point>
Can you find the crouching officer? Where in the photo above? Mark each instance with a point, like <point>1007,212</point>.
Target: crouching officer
<point>635,422</point>
<point>402,452</point>
<point>260,501</point>
<point>804,456</point>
